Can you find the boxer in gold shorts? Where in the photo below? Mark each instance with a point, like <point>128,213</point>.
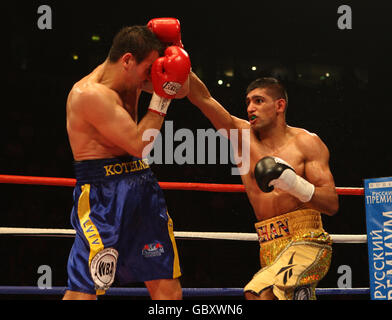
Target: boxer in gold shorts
<point>287,178</point>
<point>295,254</point>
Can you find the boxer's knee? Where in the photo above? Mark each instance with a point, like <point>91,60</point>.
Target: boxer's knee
<point>266,294</point>
<point>164,289</point>
<point>74,295</point>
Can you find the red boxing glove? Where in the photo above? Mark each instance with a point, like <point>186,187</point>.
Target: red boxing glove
<point>168,74</point>
<point>167,30</point>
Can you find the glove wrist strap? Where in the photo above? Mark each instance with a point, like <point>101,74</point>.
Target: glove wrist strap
<point>303,189</point>
<point>159,104</point>
<point>294,184</point>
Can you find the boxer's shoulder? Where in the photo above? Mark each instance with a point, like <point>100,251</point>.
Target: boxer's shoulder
<point>240,123</point>
<point>301,135</point>
<point>308,142</point>
<point>92,94</point>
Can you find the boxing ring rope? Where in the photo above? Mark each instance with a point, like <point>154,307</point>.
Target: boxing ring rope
<point>191,186</point>
<point>336,238</point>
<point>187,292</point>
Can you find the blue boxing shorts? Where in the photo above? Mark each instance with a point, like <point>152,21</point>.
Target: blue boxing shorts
<point>123,229</point>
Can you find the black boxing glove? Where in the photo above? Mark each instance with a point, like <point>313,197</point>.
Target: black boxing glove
<point>271,172</point>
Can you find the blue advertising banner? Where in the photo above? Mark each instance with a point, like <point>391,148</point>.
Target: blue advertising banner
<point>378,202</point>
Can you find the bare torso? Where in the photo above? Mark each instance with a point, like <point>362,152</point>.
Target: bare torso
<point>271,136</point>
<point>85,140</point>
<point>267,205</point>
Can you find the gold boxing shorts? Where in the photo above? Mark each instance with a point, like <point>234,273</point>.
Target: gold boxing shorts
<point>295,254</point>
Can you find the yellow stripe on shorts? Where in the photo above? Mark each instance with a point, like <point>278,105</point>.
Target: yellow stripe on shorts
<point>89,229</point>
<point>176,262</point>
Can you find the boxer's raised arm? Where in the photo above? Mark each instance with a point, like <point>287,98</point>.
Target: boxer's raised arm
<point>200,96</point>
<point>101,110</point>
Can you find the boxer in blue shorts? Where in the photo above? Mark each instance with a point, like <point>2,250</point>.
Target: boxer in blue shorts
<point>123,229</point>
<point>122,226</point>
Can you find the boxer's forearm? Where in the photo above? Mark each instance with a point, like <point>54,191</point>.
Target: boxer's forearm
<point>325,200</point>
<point>200,96</point>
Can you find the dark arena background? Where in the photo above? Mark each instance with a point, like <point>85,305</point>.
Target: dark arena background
<point>326,71</point>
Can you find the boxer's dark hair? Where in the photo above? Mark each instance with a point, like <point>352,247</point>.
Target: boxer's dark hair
<point>274,86</point>
<point>138,40</point>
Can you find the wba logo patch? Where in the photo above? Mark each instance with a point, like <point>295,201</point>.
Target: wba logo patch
<point>103,268</point>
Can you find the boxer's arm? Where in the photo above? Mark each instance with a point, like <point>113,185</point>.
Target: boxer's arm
<point>200,96</point>
<point>317,172</point>
<point>183,91</point>
<point>114,123</point>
